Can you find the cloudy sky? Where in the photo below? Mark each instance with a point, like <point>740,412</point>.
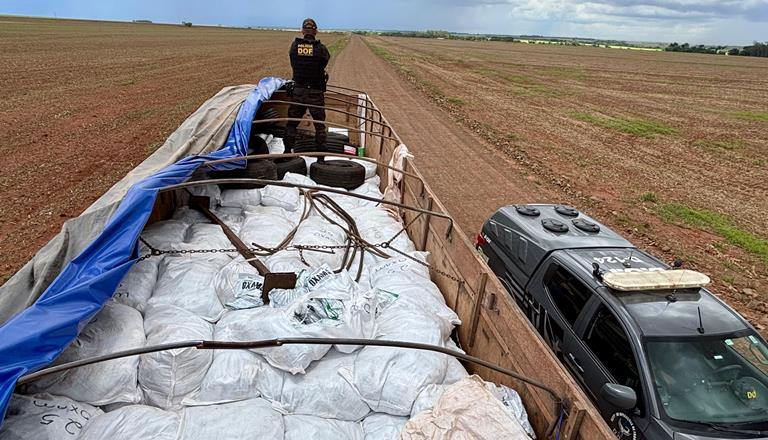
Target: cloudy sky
<point>696,21</point>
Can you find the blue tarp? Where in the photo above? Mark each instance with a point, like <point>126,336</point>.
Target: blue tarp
<point>37,336</point>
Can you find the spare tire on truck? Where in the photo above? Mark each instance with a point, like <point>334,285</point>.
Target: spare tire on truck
<point>256,169</point>
<point>338,173</point>
<point>290,165</point>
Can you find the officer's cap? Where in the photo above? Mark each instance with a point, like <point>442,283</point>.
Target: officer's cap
<point>309,24</point>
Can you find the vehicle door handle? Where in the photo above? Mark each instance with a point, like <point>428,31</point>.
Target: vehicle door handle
<point>576,362</point>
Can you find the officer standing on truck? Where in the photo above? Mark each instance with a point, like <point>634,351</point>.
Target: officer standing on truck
<point>309,57</point>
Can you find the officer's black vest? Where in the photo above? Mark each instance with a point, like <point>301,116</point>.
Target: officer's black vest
<point>308,63</point>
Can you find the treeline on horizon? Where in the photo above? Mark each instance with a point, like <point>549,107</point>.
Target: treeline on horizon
<point>496,37</point>
<point>757,49</point>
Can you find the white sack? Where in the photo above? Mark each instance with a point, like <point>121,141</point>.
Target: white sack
<point>379,426</point>
<point>267,323</point>
<point>228,211</point>
<point>377,226</point>
<point>250,419</point>
<point>369,189</point>
<point>211,191</point>
<point>333,307</point>
<point>280,196</point>
<point>308,427</point>
<point>238,375</point>
<point>267,228</point>
<point>240,198</point>
<point>45,417</point>
<point>514,405</point>
<point>275,145</point>
<point>285,261</point>
<point>390,379</point>
<point>300,179</point>
<point>315,231</point>
<point>136,287</point>
<point>190,216</point>
<point>466,409</point>
<point>322,392</point>
<point>115,328</point>
<point>136,422</point>
<point>188,283</point>
<point>164,235</point>
<point>167,377</point>
<point>208,236</point>
<point>239,285</point>
<point>410,281</point>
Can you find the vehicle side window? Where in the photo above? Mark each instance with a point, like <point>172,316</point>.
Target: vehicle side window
<point>607,340</point>
<point>568,293</point>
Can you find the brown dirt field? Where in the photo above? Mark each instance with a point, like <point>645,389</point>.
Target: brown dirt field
<point>506,125</point>
<point>82,103</point>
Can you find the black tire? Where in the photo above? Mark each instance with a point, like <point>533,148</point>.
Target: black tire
<point>268,114</point>
<point>257,145</point>
<point>338,173</point>
<point>338,138</point>
<point>290,165</point>
<point>256,169</point>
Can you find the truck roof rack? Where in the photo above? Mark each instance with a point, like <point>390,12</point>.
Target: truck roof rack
<point>626,281</point>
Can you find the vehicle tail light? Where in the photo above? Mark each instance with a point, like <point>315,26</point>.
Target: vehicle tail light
<point>480,241</point>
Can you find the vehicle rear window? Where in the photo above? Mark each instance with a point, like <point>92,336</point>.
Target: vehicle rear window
<point>568,293</point>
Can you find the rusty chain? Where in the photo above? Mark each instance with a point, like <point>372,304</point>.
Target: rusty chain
<point>300,248</point>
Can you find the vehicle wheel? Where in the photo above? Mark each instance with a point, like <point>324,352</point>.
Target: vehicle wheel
<point>338,173</point>
<point>290,165</point>
<point>256,169</point>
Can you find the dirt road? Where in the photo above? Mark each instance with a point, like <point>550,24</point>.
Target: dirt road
<point>471,178</point>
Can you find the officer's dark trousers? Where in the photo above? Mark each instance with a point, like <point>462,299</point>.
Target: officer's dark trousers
<point>306,96</point>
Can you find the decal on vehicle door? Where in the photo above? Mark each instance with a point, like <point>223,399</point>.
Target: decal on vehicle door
<point>623,427</point>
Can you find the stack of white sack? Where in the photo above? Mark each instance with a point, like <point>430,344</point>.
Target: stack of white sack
<point>246,420</point>
<point>134,422</point>
<point>136,287</point>
<point>239,285</point>
<point>167,377</point>
<point>466,409</point>
<point>390,379</point>
<point>241,375</point>
<point>115,328</point>
<point>45,417</point>
<point>309,427</point>
<point>188,283</point>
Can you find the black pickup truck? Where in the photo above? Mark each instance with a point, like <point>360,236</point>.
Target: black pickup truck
<point>661,356</point>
